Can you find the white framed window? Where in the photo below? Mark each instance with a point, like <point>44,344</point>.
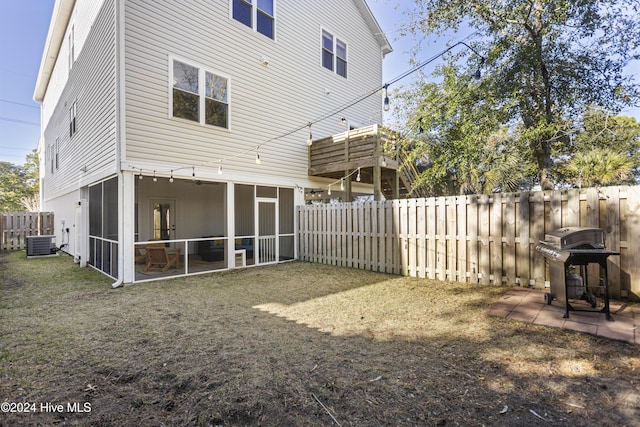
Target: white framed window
<point>72,47</point>
<point>256,14</point>
<point>341,58</point>
<point>334,54</point>
<point>199,95</point>
<point>72,119</point>
<point>50,158</point>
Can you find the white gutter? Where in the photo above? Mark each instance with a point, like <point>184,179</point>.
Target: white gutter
<point>374,26</point>
<point>62,11</point>
<point>119,141</point>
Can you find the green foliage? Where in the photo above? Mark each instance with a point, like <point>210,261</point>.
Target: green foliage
<point>546,63</point>
<point>599,128</point>
<point>465,149</point>
<point>19,185</point>
<point>600,166</point>
<point>606,151</point>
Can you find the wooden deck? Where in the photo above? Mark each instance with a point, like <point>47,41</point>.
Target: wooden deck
<point>375,151</point>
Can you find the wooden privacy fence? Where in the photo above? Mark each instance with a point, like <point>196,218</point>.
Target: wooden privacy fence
<point>486,239</point>
<point>16,226</point>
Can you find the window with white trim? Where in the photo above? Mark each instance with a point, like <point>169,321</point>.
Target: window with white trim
<point>57,153</point>
<point>341,58</point>
<point>334,54</point>
<point>199,95</point>
<point>50,157</point>
<point>72,47</point>
<point>256,14</point>
<point>72,119</point>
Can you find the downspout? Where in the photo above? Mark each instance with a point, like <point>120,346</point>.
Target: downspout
<point>117,283</point>
<point>119,95</point>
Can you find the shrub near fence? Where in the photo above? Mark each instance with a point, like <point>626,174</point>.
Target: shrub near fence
<point>16,226</point>
<point>486,239</point>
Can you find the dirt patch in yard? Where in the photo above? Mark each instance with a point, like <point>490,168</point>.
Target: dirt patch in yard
<point>293,344</point>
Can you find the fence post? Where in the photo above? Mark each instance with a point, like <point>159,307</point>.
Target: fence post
<point>484,260</point>
<point>463,254</point>
<point>497,262</point>
<point>421,207</point>
<point>538,268</point>
<point>452,241</point>
<point>509,258</point>
<point>612,238</point>
<point>524,261</point>
<point>632,264</point>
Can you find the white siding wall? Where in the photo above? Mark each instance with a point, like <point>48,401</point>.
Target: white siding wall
<point>82,19</point>
<point>91,84</point>
<point>65,211</point>
<point>265,102</point>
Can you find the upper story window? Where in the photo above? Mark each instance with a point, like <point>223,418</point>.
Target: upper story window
<point>199,95</point>
<point>72,47</point>
<point>50,156</point>
<point>72,119</point>
<point>256,14</point>
<point>334,54</point>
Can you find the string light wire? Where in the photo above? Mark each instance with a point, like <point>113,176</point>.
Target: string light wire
<point>325,116</point>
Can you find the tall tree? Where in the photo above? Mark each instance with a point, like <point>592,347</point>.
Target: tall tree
<point>546,61</point>
<point>459,147</point>
<point>19,185</point>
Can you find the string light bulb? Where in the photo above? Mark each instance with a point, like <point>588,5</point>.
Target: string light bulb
<point>220,168</point>
<point>193,173</point>
<point>329,191</point>
<point>171,177</point>
<point>343,120</point>
<point>155,178</point>
<point>358,176</point>
<point>342,184</point>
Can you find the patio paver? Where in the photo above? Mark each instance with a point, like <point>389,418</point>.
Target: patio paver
<point>528,305</point>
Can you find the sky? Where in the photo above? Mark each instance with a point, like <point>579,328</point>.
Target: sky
<point>23,30</point>
<point>24,25</point>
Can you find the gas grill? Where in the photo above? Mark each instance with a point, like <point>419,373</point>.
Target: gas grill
<point>570,247</point>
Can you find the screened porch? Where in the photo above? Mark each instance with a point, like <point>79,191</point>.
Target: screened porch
<point>190,227</point>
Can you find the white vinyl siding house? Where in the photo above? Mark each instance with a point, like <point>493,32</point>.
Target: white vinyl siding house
<point>77,97</point>
<point>266,100</point>
<point>162,110</point>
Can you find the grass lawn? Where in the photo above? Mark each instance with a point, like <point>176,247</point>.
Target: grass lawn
<point>295,344</point>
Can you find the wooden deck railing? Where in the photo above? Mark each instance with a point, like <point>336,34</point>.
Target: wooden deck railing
<point>366,148</point>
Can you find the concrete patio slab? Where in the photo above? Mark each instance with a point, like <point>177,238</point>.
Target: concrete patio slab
<point>528,305</point>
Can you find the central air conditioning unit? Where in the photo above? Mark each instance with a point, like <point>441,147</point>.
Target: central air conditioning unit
<point>41,245</point>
